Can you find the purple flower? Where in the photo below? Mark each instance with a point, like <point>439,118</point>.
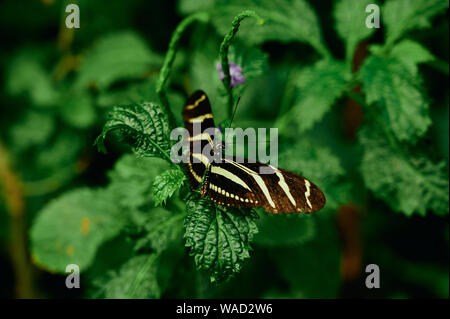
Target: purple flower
<point>235,74</point>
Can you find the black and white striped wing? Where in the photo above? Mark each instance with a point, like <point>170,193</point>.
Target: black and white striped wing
<point>237,183</point>
<point>198,120</point>
<point>241,185</point>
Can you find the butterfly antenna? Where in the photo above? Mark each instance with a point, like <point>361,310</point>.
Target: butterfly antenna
<point>232,117</point>
<point>234,112</point>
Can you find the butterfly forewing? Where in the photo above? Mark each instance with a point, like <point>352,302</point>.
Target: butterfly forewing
<point>198,121</point>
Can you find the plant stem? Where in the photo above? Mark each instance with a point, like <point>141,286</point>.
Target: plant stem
<point>140,276</point>
<point>162,84</point>
<point>13,195</point>
<point>224,46</point>
<point>164,153</point>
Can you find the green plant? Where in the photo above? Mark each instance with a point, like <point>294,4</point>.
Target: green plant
<point>127,236</point>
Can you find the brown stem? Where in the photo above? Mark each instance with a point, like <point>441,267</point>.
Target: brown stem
<point>348,217</point>
<point>13,195</point>
<point>349,233</point>
<point>353,115</point>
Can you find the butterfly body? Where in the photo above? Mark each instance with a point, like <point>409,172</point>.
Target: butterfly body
<point>236,182</point>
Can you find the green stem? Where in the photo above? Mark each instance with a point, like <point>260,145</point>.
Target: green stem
<point>164,153</point>
<point>141,274</point>
<point>224,46</point>
<point>162,84</point>
<point>358,98</point>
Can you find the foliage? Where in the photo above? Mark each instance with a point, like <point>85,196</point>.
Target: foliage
<point>218,238</point>
<point>126,215</point>
<point>166,184</point>
<point>71,228</point>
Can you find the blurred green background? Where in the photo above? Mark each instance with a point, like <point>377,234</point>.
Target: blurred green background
<point>58,85</point>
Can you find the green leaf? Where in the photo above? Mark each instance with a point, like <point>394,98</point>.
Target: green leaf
<point>317,88</point>
<point>166,184</point>
<point>411,53</point>
<point>407,182</point>
<point>161,228</point>
<point>321,166</point>
<point>77,110</point>
<point>135,279</point>
<point>34,129</point>
<point>133,93</point>
<point>284,229</point>
<point>132,178</point>
<point>284,21</point>
<point>202,71</point>
<point>312,269</point>
<point>145,126</point>
<point>57,155</point>
<point>350,19</point>
<point>70,229</point>
<point>191,6</point>
<point>26,75</point>
<point>118,56</point>
<point>218,238</point>
<point>402,16</point>
<point>398,92</point>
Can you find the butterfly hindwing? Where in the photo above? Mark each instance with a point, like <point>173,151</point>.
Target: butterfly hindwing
<point>291,192</point>
<point>228,186</point>
<point>278,191</point>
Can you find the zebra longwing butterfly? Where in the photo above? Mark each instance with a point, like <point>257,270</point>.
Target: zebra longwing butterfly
<point>236,183</point>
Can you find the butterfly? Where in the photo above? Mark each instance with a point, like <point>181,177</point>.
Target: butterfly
<point>235,182</point>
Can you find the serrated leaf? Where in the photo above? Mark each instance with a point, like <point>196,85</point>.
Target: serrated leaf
<point>70,229</point>
<point>407,182</point>
<point>160,228</point>
<point>411,53</point>
<point>284,229</point>
<point>218,238</point>
<point>117,56</point>
<point>321,166</point>
<point>132,179</point>
<point>402,16</point>
<point>398,92</point>
<point>134,279</point>
<point>166,184</point>
<point>317,88</point>
<point>350,19</point>
<point>284,21</point>
<point>144,126</point>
